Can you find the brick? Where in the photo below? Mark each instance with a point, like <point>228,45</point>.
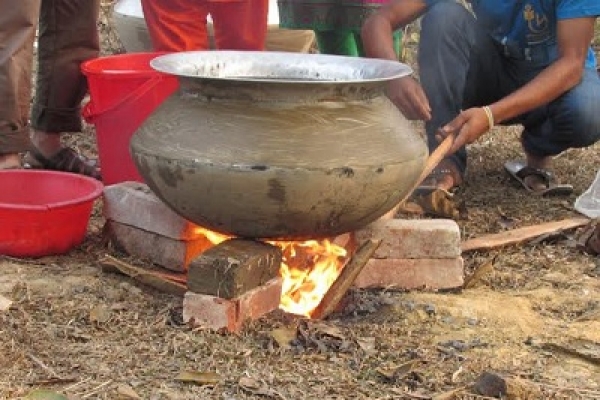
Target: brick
<point>233,267</point>
<point>412,273</point>
<point>170,253</point>
<point>215,313</point>
<point>134,204</point>
<point>414,239</point>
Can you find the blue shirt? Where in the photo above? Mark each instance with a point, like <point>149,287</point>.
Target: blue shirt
<point>527,28</point>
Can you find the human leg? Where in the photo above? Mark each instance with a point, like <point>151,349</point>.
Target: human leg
<point>570,121</point>
<point>177,25</point>
<point>18,22</point>
<point>68,36</point>
<point>459,67</point>
<point>240,25</point>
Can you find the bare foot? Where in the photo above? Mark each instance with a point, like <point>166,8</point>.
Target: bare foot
<point>10,161</point>
<point>48,144</point>
<point>536,182</point>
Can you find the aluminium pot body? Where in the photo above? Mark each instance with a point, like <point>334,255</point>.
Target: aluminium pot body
<point>278,146</point>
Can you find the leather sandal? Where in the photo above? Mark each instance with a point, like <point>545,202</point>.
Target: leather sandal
<point>66,160</point>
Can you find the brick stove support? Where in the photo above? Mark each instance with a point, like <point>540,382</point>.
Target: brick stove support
<point>234,267</point>
<point>231,283</point>
<point>143,226</point>
<point>413,254</point>
<point>216,313</point>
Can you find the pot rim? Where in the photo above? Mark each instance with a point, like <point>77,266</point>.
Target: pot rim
<point>270,67</point>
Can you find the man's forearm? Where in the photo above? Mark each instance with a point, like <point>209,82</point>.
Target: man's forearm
<point>573,37</point>
<point>377,38</point>
<point>378,28</point>
<point>551,83</point>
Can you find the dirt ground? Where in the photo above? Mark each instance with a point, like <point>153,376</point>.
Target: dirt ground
<point>532,316</point>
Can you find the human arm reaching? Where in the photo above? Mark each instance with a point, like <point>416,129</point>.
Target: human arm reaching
<point>406,93</point>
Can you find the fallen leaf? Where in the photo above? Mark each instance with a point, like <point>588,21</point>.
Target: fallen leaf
<point>5,303</point>
<point>200,378</point>
<point>328,330</point>
<point>478,276</point>
<point>119,307</point>
<point>257,388</point>
<point>367,344</point>
<point>249,383</point>
<point>399,371</point>
<point>127,392</point>
<point>451,395</point>
<point>506,222</point>
<point>99,314</point>
<point>41,394</point>
<point>284,336</point>
<point>456,374</point>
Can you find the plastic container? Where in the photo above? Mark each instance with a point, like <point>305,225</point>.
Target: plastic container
<point>124,91</point>
<point>44,212</point>
<point>589,202</point>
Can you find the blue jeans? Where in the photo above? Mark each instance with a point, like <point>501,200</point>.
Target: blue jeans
<point>462,67</point>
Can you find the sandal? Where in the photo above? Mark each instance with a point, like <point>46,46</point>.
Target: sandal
<point>519,171</point>
<point>66,160</point>
<point>445,169</point>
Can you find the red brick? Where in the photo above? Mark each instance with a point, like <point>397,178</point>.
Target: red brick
<point>430,273</point>
<point>134,204</point>
<point>414,239</point>
<point>215,313</point>
<point>170,253</point>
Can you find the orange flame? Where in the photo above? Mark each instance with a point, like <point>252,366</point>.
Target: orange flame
<point>308,270</point>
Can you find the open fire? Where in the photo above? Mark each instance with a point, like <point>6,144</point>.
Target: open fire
<point>308,270</point>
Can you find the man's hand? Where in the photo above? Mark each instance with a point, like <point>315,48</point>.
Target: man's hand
<point>467,127</point>
<point>408,95</point>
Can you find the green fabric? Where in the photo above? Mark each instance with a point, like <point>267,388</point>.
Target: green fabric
<point>348,43</point>
<point>324,15</point>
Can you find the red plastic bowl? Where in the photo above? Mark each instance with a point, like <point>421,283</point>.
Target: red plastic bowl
<point>44,212</point>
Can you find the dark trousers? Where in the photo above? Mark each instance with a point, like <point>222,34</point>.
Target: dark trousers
<point>68,36</point>
<point>462,67</point>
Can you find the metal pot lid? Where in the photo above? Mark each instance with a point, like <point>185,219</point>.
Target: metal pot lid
<point>278,67</point>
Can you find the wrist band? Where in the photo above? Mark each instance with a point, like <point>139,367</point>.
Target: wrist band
<point>490,116</point>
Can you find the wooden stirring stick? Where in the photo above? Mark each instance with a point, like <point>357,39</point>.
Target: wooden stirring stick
<point>434,159</point>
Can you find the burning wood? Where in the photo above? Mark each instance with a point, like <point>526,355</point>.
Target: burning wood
<point>347,277</point>
<point>308,269</point>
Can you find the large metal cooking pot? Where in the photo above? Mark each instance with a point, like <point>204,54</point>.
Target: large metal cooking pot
<point>279,145</point>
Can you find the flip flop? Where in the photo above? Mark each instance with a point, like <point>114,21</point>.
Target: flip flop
<point>518,170</point>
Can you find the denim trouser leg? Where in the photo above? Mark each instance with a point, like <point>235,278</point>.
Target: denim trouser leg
<point>571,121</point>
<point>447,37</point>
<point>459,66</point>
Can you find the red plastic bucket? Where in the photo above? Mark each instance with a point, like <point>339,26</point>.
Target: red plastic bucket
<point>124,91</point>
